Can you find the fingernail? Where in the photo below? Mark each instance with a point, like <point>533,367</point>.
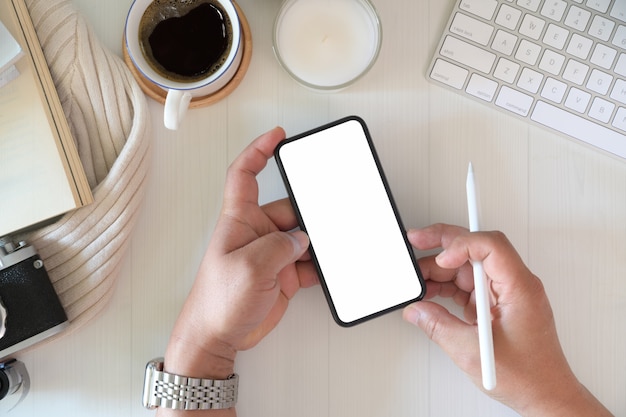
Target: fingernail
<point>301,241</point>
<point>440,257</point>
<point>411,314</point>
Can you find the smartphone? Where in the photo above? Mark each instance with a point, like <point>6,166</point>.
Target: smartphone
<point>342,200</point>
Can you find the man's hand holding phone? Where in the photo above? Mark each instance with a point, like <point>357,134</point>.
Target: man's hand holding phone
<point>252,268</point>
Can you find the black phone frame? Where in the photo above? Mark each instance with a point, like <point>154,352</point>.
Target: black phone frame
<point>383,177</point>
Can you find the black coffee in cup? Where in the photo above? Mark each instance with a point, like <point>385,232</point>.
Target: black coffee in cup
<point>186,40</point>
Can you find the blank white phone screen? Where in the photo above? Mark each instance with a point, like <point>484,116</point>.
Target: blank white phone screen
<point>356,238</point>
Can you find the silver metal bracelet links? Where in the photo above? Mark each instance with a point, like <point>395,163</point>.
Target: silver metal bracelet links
<point>162,389</point>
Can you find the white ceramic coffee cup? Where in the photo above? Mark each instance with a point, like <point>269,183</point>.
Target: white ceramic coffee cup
<point>180,94</point>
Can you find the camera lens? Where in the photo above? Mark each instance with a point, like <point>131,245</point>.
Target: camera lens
<point>4,384</point>
<point>10,379</point>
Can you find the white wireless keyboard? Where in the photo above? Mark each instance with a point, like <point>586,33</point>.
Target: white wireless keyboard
<point>558,63</point>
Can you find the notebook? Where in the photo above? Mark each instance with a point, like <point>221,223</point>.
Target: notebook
<point>558,64</point>
<point>41,176</point>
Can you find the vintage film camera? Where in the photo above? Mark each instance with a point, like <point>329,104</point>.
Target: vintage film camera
<point>30,310</point>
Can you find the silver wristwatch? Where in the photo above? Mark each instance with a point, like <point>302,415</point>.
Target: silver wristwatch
<point>184,393</point>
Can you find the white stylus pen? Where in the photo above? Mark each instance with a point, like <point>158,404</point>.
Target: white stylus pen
<point>483,308</point>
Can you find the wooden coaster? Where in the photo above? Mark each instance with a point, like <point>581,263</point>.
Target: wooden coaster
<point>158,94</point>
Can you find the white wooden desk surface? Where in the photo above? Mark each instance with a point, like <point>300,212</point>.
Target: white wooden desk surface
<point>561,203</point>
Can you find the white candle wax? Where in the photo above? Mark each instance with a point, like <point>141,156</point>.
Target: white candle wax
<point>327,43</point>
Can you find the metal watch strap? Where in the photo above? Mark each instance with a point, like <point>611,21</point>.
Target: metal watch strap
<point>162,389</point>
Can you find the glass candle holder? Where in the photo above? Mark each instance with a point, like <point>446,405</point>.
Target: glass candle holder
<point>327,45</point>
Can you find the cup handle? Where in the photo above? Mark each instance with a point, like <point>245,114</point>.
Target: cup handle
<point>176,105</point>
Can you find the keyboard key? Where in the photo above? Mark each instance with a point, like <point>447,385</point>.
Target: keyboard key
<point>554,90</point>
<point>481,87</point>
<point>532,26</point>
<point>506,70</point>
<point>619,10</point>
<point>599,5</point>
<point>530,80</point>
<point>577,18</point>
<point>556,36</point>
<point>603,56</point>
<point>482,8</point>
<point>514,101</point>
<point>508,17</point>
<point>620,67</point>
<point>601,28</point>
<point>467,54</point>
<point>449,74</point>
<point>532,5</point>
<point>620,119</point>
<point>580,128</point>
<point>599,81</point>
<point>504,42</point>
<point>579,46</point>
<point>601,110</point>
<point>528,52</point>
<point>552,62</point>
<point>577,100</point>
<point>472,29</point>
<point>575,72</point>
<point>554,9</point>
<point>619,39</point>
<point>619,91</point>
